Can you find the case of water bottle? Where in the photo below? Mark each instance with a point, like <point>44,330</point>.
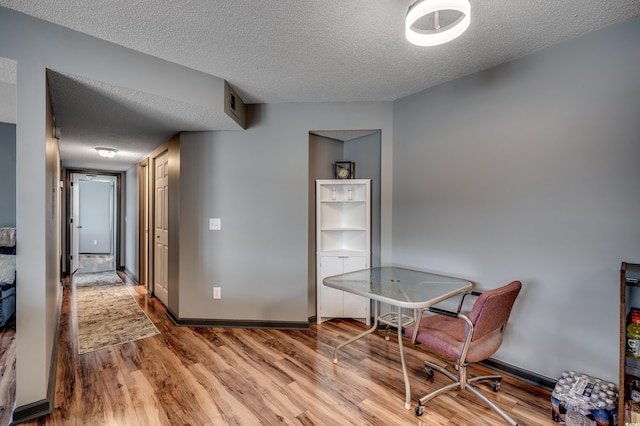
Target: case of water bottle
<point>581,400</point>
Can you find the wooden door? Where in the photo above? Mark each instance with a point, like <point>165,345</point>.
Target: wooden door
<point>161,229</point>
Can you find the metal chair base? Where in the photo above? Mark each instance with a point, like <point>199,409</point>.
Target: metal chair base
<point>461,382</point>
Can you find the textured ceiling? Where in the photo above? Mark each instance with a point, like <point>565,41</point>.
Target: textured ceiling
<point>330,50</point>
<point>322,51</point>
<point>135,122</point>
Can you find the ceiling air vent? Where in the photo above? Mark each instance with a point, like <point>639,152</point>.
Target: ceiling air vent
<point>233,106</point>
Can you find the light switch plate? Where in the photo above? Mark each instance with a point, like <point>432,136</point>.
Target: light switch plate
<point>215,224</point>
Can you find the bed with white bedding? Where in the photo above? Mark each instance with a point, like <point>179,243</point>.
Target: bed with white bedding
<point>7,274</point>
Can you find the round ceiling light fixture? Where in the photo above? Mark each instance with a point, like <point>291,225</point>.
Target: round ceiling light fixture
<point>438,35</point>
<point>106,152</point>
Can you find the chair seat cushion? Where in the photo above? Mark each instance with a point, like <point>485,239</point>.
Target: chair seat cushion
<point>446,335</point>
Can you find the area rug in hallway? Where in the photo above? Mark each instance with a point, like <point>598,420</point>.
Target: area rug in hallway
<point>107,313</point>
<point>96,263</point>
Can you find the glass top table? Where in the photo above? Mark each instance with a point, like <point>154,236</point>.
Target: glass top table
<point>401,288</point>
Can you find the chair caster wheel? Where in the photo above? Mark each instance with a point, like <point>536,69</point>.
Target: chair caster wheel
<point>419,410</point>
<point>495,386</point>
<point>429,371</point>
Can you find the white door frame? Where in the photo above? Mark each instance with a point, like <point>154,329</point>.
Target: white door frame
<point>73,209</point>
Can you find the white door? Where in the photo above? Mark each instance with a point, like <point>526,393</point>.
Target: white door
<point>330,303</point>
<point>355,306</point>
<point>161,229</point>
<point>96,216</point>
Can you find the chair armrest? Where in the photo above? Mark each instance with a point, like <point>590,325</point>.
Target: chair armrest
<point>465,294</point>
<point>418,316</point>
<point>444,312</point>
<point>453,315</point>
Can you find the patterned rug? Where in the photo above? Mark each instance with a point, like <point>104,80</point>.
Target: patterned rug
<point>107,313</point>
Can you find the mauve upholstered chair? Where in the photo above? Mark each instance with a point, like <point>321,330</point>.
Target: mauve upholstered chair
<point>466,338</point>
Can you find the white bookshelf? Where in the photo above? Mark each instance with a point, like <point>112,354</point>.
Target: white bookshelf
<point>343,226</point>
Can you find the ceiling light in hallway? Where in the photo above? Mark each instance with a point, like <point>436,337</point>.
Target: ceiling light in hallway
<point>106,152</point>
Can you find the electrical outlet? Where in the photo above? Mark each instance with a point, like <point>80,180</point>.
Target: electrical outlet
<point>215,224</point>
<point>95,242</point>
<point>217,293</point>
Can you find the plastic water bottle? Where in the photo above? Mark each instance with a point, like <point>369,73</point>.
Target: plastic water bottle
<point>633,334</point>
<point>612,408</point>
<point>605,413</point>
<point>578,418</point>
<point>558,407</point>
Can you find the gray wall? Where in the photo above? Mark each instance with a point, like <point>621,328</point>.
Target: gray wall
<point>95,217</point>
<point>365,152</point>
<point>323,152</point>
<point>530,171</point>
<point>7,174</point>
<point>256,181</point>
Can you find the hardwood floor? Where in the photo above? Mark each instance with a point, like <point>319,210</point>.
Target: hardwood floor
<point>212,376</point>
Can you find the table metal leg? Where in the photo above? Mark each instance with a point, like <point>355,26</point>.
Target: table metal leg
<point>407,388</point>
<point>400,325</point>
<point>353,339</point>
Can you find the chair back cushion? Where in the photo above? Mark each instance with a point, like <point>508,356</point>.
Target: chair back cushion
<point>489,313</point>
<point>492,308</point>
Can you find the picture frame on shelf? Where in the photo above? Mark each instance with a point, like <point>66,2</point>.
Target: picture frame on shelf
<point>344,170</point>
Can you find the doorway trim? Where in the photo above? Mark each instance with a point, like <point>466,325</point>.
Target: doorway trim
<point>67,223</point>
<point>172,146</point>
<point>149,163</point>
<point>144,223</point>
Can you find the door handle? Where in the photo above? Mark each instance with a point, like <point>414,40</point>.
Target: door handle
<point>79,226</point>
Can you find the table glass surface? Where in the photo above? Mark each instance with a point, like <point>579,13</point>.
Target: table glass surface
<point>401,287</point>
